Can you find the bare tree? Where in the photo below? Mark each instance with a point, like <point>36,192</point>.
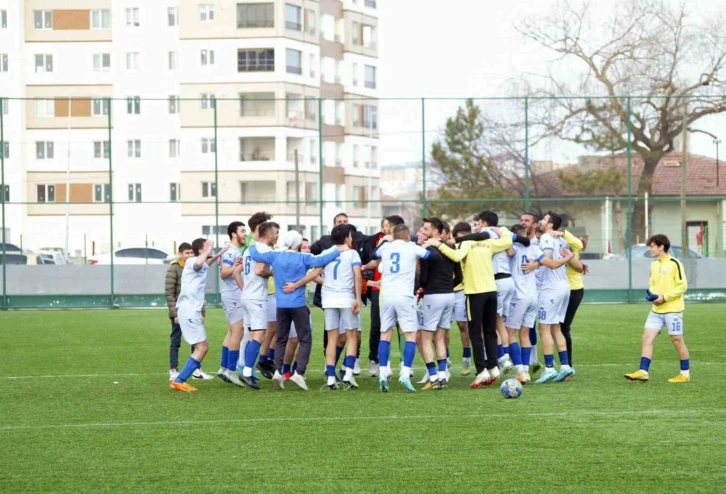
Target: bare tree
<point>651,53</point>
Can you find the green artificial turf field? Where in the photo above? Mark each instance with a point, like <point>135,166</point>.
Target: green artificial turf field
<point>85,407</point>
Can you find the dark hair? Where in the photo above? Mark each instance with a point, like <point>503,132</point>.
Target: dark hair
<point>555,219</point>
<point>533,215</point>
<point>446,226</point>
<point>340,233</point>
<point>233,227</point>
<point>184,246</point>
<point>266,227</point>
<point>306,240</point>
<point>257,219</point>
<point>661,241</point>
<point>400,230</point>
<point>339,215</point>
<point>490,217</point>
<point>394,220</point>
<point>518,229</point>
<point>461,227</point>
<point>436,223</point>
<point>198,245</point>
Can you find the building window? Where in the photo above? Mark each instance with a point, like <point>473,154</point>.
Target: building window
<point>102,193</point>
<point>132,17</point>
<point>338,154</point>
<point>293,17</point>
<point>132,61</point>
<point>370,3</point>
<point>357,196</point>
<point>206,13</point>
<point>368,35</point>
<point>101,149</point>
<point>356,33</point>
<point>3,19</point>
<point>99,107</point>
<point>310,21</point>
<point>355,155</point>
<point>256,60</point>
<point>173,105</point>
<point>207,57</point>
<point>133,147</point>
<point>43,63</point>
<point>255,15</point>
<point>172,16</point>
<point>311,109</point>
<point>207,101</point>
<point>174,192</point>
<point>209,189</point>
<point>43,19</point>
<point>172,56</point>
<point>370,117</point>
<point>3,62</point>
<point>339,112</point>
<point>100,19</point>
<point>313,64</point>
<point>134,192</point>
<point>311,191</point>
<point>214,230</point>
<point>101,62</point>
<point>46,193</point>
<point>133,105</point>
<point>174,147</point>
<point>44,150</point>
<point>313,152</point>
<point>370,77</point>
<point>208,145</point>
<point>294,61</point>
<point>355,74</point>
<point>44,108</point>
<point>374,157</point>
<point>339,195</point>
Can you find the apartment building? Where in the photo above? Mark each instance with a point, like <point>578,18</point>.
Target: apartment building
<point>139,88</point>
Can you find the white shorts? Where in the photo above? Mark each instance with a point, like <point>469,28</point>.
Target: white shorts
<point>460,312</point>
<point>255,314</point>
<point>271,309</point>
<point>232,305</point>
<point>505,292</point>
<point>553,305</point>
<point>401,310</point>
<point>341,319</point>
<point>522,313</point>
<point>192,327</point>
<point>673,321</point>
<point>293,331</point>
<point>436,311</point>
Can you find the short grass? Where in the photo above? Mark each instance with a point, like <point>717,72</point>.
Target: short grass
<point>85,407</point>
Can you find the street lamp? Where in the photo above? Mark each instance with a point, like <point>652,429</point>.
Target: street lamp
<point>717,142</point>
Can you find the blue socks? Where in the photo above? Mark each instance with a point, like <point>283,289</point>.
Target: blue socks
<point>263,358</point>
<point>349,361</point>
<point>286,368</point>
<point>549,360</point>
<point>384,353</point>
<point>467,352</point>
<point>338,351</point>
<point>515,353</point>
<point>685,364</point>
<point>442,365</point>
<point>500,351</point>
<point>225,357</point>
<point>232,358</point>
<point>431,368</point>
<point>330,370</point>
<point>645,364</point>
<point>409,352</point>
<point>526,355</point>
<point>189,368</point>
<point>564,358</point>
<point>271,354</point>
<point>251,352</point>
<point>294,366</point>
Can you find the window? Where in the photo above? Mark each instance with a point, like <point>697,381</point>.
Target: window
<point>44,108</point>
<point>174,147</point>
<point>46,193</point>
<point>44,150</point>
<point>313,63</point>
<point>99,107</point>
<point>339,194</point>
<point>374,157</point>
<point>206,13</point>
<point>356,115</point>
<point>339,30</point>
<point>174,192</point>
<point>369,36</point>
<point>3,19</point>
<point>256,60</point>
<point>43,63</point>
<point>311,109</point>
<point>357,196</point>
<point>214,230</point>
<point>291,191</point>
<point>172,58</point>
<point>43,19</point>
<point>313,152</point>
<point>132,61</point>
<point>356,33</point>
<point>311,191</point>
<point>102,193</point>
<point>207,101</point>
<point>133,105</point>
<point>294,61</point>
<point>101,62</point>
<point>3,62</point>
<point>255,15</point>
<point>101,149</point>
<point>172,16</point>
<point>207,57</point>
<point>293,19</point>
<point>338,154</point>
<point>208,145</point>
<point>370,77</point>
<point>209,189</point>
<point>173,105</point>
<point>310,21</point>
<point>355,74</point>
<point>339,112</point>
<point>370,117</point>
<point>100,19</point>
<point>134,148</point>
<point>336,69</point>
<point>327,27</point>
<point>355,155</point>
<point>134,192</point>
<point>370,3</point>
<point>132,17</point>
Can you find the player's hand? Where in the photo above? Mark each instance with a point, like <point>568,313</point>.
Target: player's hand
<point>176,320</point>
<point>419,293</point>
<point>659,301</point>
<point>451,242</point>
<point>495,229</point>
<point>530,266</point>
<point>566,253</point>
<point>356,307</point>
<point>374,284</point>
<point>224,249</point>
<point>289,287</point>
<point>557,233</point>
<point>433,242</point>
<point>585,268</point>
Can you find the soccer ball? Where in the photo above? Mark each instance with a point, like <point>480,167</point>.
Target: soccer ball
<point>511,388</point>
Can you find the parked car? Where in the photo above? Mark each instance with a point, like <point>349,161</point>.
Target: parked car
<point>51,257</point>
<point>12,249</point>
<point>17,259</point>
<point>132,255</point>
<point>65,257</point>
<point>640,251</point>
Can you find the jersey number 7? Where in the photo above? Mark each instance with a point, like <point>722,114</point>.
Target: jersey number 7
<point>335,268</point>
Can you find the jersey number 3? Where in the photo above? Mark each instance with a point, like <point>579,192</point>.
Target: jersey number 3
<point>395,262</point>
<point>247,266</point>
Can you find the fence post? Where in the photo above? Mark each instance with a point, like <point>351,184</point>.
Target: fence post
<point>109,101</point>
<point>423,157</point>
<point>526,153</point>
<point>2,197</point>
<point>629,223</point>
<point>320,163</point>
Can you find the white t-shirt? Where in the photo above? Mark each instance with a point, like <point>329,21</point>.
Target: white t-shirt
<point>339,281</point>
<point>229,285</point>
<point>525,284</point>
<point>398,262</point>
<point>553,278</point>
<point>193,285</point>
<point>255,287</point>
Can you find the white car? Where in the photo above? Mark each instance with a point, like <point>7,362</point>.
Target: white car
<point>132,255</point>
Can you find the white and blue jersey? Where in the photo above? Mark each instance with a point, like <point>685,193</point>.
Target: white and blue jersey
<point>398,267</point>
<point>554,278</point>
<point>193,286</point>
<point>525,283</point>
<point>229,285</point>
<point>339,281</point>
<point>255,287</point>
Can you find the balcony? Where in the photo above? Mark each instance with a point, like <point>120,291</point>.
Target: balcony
<point>294,26</point>
<point>255,105</point>
<point>257,149</point>
<point>292,69</point>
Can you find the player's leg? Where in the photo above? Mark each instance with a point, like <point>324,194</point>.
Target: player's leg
<point>653,325</point>
<point>408,322</point>
<point>441,360</point>
<point>387,331</point>
<point>426,337</point>
<point>340,348</point>
<point>257,325</point>
<point>332,323</point>
<point>195,334</point>
<point>565,371</point>
<point>504,289</point>
<point>462,322</point>
<point>375,335</point>
<point>572,305</point>
<point>174,344</point>
<point>352,338</point>
<point>475,312</point>
<point>301,316</point>
<point>284,320</point>
<point>548,315</point>
<point>489,323</point>
<point>288,362</point>
<point>267,351</point>
<point>442,319</point>
<point>674,322</point>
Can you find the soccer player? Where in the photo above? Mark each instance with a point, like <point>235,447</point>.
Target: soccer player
<point>254,298</point>
<point>460,315</point>
<point>481,292</point>
<point>553,297</point>
<point>524,304</point>
<point>577,289</point>
<point>530,222</point>
<point>290,265</point>
<point>231,274</point>
<point>189,309</point>
<point>666,287</point>
<point>437,280</point>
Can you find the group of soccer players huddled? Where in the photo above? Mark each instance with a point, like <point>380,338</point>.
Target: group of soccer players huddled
<point>493,281</point>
